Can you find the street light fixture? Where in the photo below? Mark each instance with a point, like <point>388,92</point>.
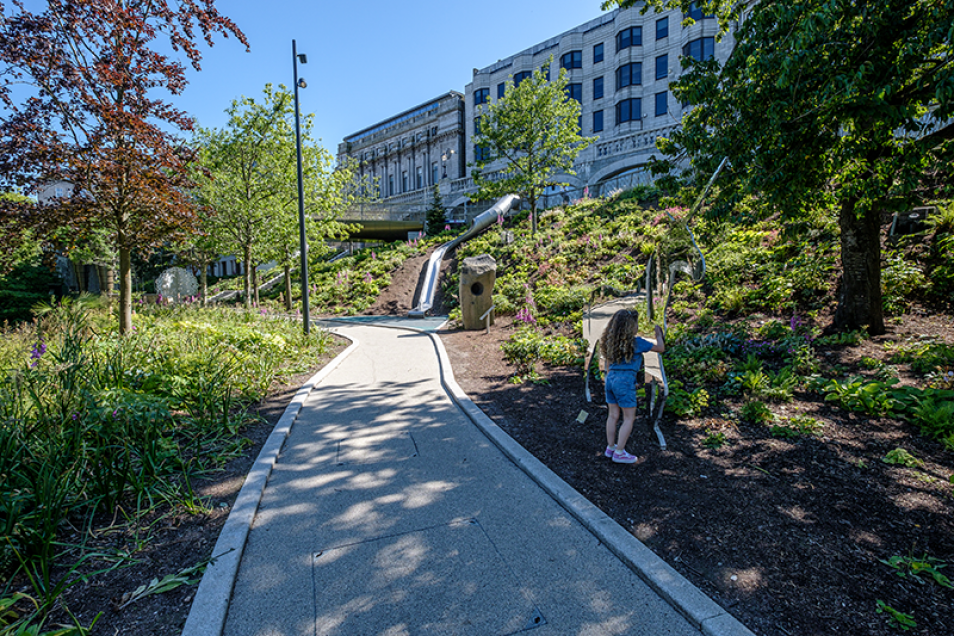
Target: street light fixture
<point>300,83</point>
<point>444,157</point>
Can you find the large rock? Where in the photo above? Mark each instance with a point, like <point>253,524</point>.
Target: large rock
<point>477,276</point>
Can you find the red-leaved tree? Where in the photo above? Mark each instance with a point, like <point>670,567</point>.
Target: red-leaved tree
<point>81,81</point>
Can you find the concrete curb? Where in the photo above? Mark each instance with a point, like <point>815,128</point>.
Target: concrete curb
<point>687,599</point>
<point>211,604</point>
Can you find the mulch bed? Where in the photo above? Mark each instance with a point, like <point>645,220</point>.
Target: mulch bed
<point>787,535</point>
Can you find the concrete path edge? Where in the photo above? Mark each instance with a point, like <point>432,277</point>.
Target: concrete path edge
<point>685,597</point>
<point>211,604</point>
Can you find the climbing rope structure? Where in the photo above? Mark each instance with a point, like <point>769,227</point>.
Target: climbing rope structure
<point>677,253</point>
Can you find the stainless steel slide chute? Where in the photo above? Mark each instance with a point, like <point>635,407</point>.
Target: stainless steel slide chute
<point>480,223</point>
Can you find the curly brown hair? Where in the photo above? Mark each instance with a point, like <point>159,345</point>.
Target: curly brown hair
<point>617,341</point>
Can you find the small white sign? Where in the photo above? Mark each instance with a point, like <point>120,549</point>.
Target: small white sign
<point>582,417</point>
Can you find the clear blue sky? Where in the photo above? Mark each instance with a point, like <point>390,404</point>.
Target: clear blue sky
<point>368,60</point>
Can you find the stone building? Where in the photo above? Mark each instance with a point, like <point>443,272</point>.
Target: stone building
<point>407,154</point>
<point>619,67</point>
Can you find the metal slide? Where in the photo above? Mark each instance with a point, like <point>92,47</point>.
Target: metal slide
<point>480,223</point>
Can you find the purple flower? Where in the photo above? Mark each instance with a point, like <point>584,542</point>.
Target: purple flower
<point>525,316</point>
<point>373,255</point>
<point>36,352</point>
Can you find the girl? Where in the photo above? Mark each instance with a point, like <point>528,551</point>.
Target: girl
<point>623,351</point>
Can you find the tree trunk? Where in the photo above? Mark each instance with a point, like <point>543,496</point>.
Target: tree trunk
<point>105,280</point>
<point>533,214</point>
<point>255,283</point>
<point>125,291</point>
<point>204,281</point>
<point>288,289</point>
<point>247,278</point>
<point>80,272</point>
<point>859,302</point>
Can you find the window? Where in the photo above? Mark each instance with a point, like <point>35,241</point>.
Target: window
<point>500,89</point>
<point>662,28</point>
<point>519,77</point>
<point>700,49</point>
<point>390,185</point>
<point>597,52</point>
<point>573,59</point>
<point>696,13</point>
<point>476,126</point>
<point>598,88</point>
<point>629,75</point>
<point>404,181</point>
<point>662,66</point>
<point>598,121</point>
<point>481,154</point>
<point>633,36</point>
<point>435,175</point>
<point>574,91</point>
<point>628,110</point>
<point>420,177</point>
<point>662,103</point>
<point>481,96</point>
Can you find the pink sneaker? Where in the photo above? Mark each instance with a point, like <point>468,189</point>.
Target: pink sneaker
<point>609,451</point>
<point>622,457</point>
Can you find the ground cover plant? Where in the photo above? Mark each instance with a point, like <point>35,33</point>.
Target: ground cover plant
<point>807,469</point>
<point>794,494</point>
<point>96,428</point>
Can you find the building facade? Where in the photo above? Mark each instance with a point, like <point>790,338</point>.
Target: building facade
<point>619,67</point>
<point>406,155</point>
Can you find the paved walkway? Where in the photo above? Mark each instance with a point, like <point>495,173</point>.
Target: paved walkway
<point>396,508</point>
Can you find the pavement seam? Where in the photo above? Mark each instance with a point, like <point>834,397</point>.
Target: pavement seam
<point>704,613</point>
<point>211,604</point>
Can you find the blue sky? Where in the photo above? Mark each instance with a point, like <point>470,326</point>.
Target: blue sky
<point>369,60</point>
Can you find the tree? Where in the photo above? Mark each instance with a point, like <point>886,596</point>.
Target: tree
<point>831,103</point>
<point>16,240</point>
<point>92,116</point>
<point>245,164</point>
<point>436,217</point>
<point>526,138</point>
<point>252,186</point>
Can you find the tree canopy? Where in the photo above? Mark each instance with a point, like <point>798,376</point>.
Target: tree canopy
<point>86,112</point>
<point>527,138</point>
<point>251,185</point>
<point>830,104</point>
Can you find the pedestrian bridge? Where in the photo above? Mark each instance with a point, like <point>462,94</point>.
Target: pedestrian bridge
<point>381,222</point>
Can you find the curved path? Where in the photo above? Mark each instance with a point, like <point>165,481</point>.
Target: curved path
<point>395,507</point>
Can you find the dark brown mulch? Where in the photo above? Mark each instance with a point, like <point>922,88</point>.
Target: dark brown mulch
<point>787,535</point>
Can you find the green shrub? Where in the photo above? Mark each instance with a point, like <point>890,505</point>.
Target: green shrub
<point>683,403</point>
<point>901,457</point>
<point>756,412</point>
<point>523,350</point>
<point>900,281</point>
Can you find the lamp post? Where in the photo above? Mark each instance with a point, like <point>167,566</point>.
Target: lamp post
<point>448,154</point>
<point>306,311</point>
